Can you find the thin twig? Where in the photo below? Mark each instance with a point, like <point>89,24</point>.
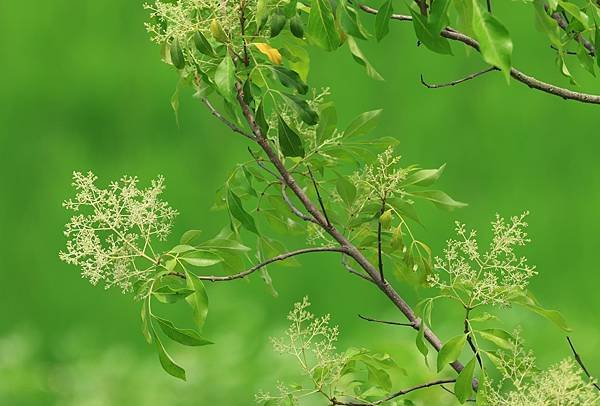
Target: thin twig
<point>394,323</point>
<point>396,394</point>
<point>293,208</point>
<point>489,6</point>
<point>530,81</point>
<point>458,81</point>
<point>280,257</point>
<point>353,271</point>
<point>228,123</point>
<point>259,162</point>
<point>564,25</point>
<point>468,333</point>
<point>316,186</point>
<point>581,364</point>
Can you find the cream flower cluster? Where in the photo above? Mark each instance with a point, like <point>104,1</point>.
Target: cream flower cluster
<point>110,235</point>
<point>491,277</point>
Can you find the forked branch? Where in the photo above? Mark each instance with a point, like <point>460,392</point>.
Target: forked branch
<point>530,81</point>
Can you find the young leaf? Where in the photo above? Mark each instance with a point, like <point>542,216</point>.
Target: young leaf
<point>183,336</point>
<point>217,31</point>
<point>225,78</point>
<point>382,20</point>
<point>166,361</point>
<point>494,39</point>
<point>450,351</point>
<point>289,141</point>
<point>440,199</point>
<point>362,124</point>
<point>239,213</point>
<point>198,301</point>
<point>290,79</point>
<point>301,107</point>
<point>360,58</point>
<point>321,29</point>
<point>463,388</point>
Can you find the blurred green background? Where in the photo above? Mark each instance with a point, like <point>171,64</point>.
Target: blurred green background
<point>83,88</point>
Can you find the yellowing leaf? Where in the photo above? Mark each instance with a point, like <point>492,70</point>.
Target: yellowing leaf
<point>271,53</point>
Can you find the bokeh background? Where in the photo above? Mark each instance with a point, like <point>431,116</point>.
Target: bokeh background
<point>83,88</point>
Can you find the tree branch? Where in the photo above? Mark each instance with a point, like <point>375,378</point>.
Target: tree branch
<point>269,261</point>
<point>350,249</point>
<point>581,364</point>
<point>564,24</point>
<point>228,123</point>
<point>458,81</point>
<point>530,81</point>
<point>293,208</point>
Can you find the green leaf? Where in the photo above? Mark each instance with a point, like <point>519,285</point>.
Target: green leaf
<point>301,107</point>
<point>201,258</point>
<point>198,301</point>
<point>382,20</point>
<point>239,213</point>
<point>289,141</point>
<point>547,24</point>
<point>451,351</point>
<point>424,177</point>
<point>202,44</point>
<point>277,24</point>
<point>189,236</point>
<point>346,190</point>
<point>597,45</point>
<point>169,294</point>
<point>529,302</point>
<point>363,124</point>
<point>494,39</point>
<point>327,122</point>
<point>225,78</point>
<point>421,344</point>
<point>146,326</point>
<point>440,199</point>
<point>261,120</point>
<point>438,15</point>
<point>431,39</point>
<point>501,338</point>
<point>167,362</point>
<point>463,388</point>
<point>360,58</point>
<point>321,29</point>
<point>177,55</point>
<point>297,27</point>
<point>349,21</point>
<point>182,336</point>
<point>180,249</point>
<point>290,79</point>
